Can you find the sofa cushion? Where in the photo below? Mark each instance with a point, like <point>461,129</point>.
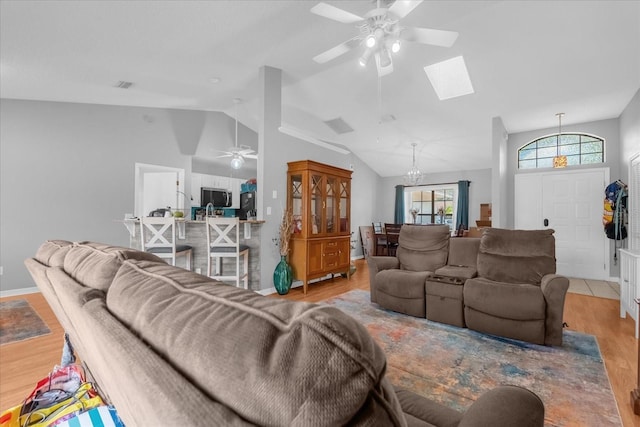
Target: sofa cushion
<point>145,388</point>
<point>272,361</point>
<point>464,252</point>
<point>422,247</point>
<point>402,283</point>
<point>516,256</point>
<point>53,252</point>
<point>95,264</point>
<point>520,301</point>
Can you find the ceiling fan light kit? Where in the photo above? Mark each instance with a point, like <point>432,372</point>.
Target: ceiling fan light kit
<point>380,33</point>
<point>237,161</point>
<point>237,153</point>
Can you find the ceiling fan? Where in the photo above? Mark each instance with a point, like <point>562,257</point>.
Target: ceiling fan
<point>380,33</point>
<point>238,153</point>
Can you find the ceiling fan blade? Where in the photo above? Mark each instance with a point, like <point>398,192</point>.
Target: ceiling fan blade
<point>250,156</point>
<point>223,156</point>
<point>336,51</point>
<point>246,151</point>
<point>335,13</point>
<point>383,69</point>
<point>402,8</point>
<point>429,36</point>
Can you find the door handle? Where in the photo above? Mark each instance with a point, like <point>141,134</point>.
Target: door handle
<point>546,222</point>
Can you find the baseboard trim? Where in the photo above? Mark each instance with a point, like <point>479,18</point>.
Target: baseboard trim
<point>272,290</point>
<point>16,292</point>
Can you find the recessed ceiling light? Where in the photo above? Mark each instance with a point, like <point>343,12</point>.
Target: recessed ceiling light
<point>214,80</point>
<point>449,78</point>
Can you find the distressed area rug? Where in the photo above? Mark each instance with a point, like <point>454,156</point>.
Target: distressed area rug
<point>18,322</point>
<point>454,366</point>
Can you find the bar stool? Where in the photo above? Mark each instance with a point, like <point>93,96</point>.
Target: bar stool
<point>161,239</point>
<point>223,241</point>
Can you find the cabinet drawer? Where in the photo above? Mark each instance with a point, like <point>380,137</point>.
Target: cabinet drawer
<point>331,261</point>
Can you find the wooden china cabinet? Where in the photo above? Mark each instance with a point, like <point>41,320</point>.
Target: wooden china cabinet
<point>319,197</point>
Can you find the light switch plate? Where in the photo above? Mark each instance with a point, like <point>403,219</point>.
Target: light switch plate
<point>275,194</point>
<point>268,210</point>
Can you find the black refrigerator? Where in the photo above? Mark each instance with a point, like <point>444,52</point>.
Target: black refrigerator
<point>247,204</point>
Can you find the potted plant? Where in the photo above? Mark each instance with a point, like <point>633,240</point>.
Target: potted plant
<point>282,275</point>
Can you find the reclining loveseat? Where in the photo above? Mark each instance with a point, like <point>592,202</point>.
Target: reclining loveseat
<point>170,347</point>
<point>503,283</point>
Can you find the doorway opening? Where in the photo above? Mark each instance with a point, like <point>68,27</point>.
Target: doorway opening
<point>158,187</point>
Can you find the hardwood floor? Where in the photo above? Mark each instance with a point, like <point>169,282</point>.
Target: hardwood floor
<point>22,364</point>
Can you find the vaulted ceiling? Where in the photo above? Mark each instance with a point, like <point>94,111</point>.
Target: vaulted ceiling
<point>527,61</point>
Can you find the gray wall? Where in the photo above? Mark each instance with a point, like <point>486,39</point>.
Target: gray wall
<point>499,180</point>
<point>479,191</point>
<point>67,172</point>
<point>629,135</point>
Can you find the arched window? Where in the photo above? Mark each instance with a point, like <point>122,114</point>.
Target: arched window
<point>579,148</point>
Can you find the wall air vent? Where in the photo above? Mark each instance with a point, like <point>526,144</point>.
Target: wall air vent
<point>123,85</point>
<point>339,126</point>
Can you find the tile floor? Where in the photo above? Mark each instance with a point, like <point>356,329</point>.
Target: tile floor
<point>596,288</point>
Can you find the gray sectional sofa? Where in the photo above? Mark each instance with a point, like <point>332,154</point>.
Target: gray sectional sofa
<point>503,283</point>
<point>170,347</point>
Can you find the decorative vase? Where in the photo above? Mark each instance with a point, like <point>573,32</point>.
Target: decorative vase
<point>282,276</point>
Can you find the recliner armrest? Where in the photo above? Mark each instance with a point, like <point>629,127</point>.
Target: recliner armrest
<point>554,289</point>
<point>377,264</point>
<point>505,406</point>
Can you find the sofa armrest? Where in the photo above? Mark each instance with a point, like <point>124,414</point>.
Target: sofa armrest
<point>427,410</point>
<point>377,264</point>
<point>554,289</point>
<point>505,406</point>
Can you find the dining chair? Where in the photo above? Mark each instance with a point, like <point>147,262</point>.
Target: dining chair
<point>379,238</point>
<point>392,233</point>
<point>158,236</point>
<point>223,241</point>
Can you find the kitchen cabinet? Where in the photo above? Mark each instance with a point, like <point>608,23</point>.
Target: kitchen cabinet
<point>319,198</point>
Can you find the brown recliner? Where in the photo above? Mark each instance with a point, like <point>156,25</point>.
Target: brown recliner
<point>517,293</point>
<point>397,282</point>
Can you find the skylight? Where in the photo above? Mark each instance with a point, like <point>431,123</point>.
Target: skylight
<point>449,78</point>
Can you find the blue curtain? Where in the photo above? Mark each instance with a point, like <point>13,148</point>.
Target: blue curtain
<point>463,204</point>
<point>399,211</point>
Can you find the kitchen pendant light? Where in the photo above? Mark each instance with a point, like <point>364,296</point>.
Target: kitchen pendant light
<point>414,176</point>
<point>559,161</point>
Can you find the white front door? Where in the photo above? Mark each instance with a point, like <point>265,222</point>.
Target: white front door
<point>570,202</point>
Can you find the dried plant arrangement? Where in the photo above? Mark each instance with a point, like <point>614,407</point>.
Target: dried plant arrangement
<point>286,228</point>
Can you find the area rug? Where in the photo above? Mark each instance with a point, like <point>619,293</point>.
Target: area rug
<point>18,322</point>
<point>454,366</point>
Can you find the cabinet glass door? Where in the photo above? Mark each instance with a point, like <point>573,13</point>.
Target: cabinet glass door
<point>317,204</point>
<point>330,211</point>
<point>344,205</point>
<point>295,188</point>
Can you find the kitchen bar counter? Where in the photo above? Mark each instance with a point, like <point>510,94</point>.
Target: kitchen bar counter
<point>194,234</point>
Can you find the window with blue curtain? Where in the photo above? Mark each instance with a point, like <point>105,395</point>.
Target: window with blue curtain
<point>431,204</point>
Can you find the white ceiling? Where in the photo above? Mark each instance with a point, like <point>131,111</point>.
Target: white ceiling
<point>527,60</point>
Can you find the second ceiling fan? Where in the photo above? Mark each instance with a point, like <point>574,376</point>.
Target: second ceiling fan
<point>238,153</point>
<point>380,33</point>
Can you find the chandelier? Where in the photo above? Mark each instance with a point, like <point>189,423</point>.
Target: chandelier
<point>414,176</point>
<point>559,161</point>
